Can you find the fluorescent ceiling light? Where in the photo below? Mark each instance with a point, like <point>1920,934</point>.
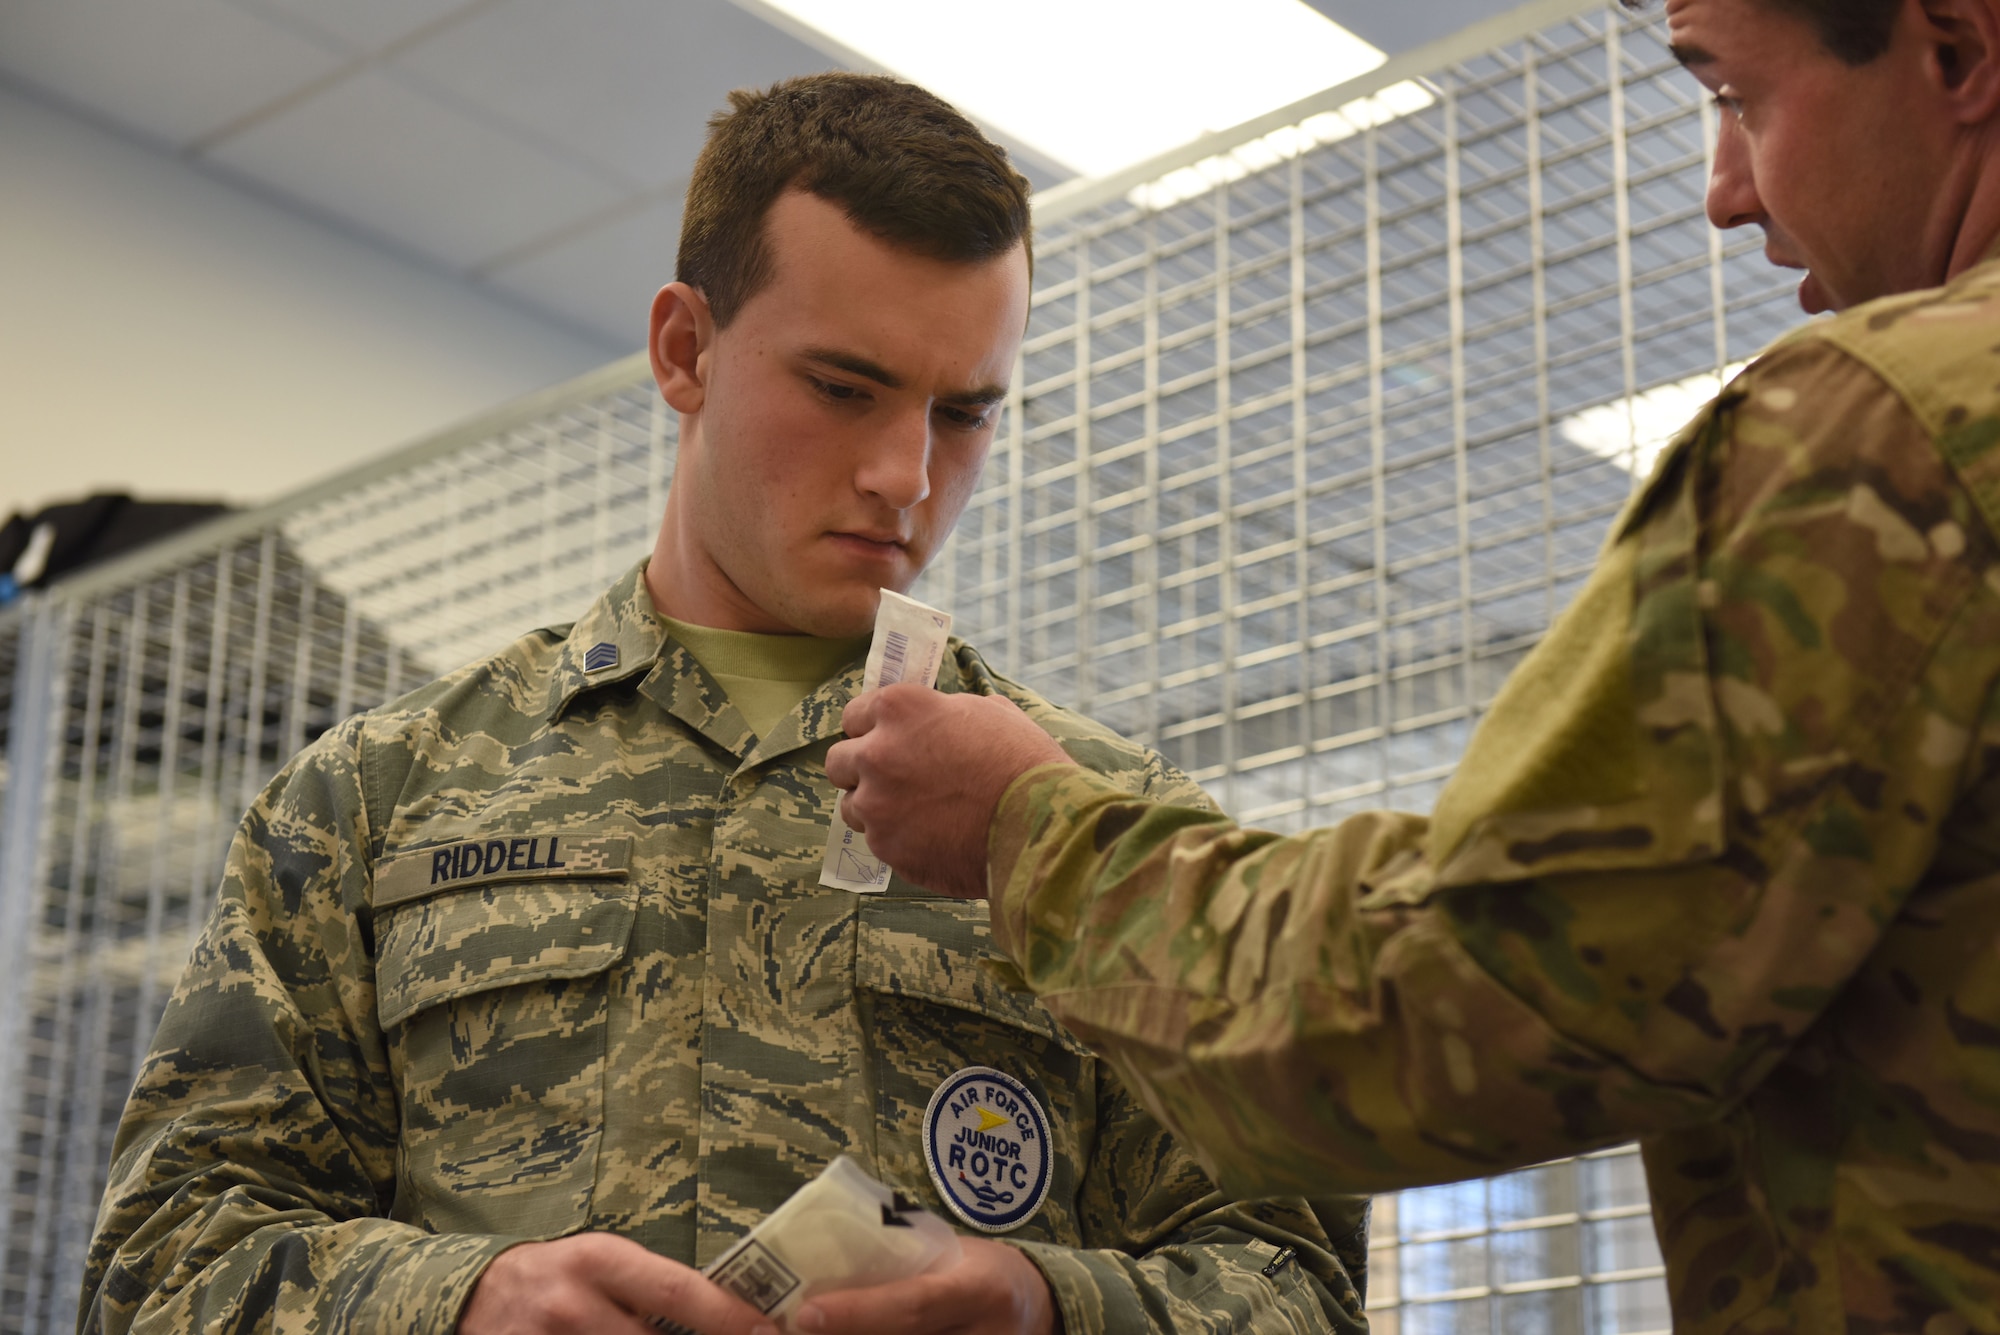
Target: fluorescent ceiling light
<point>1633,431</point>
<point>1346,121</point>
<point>1100,84</point>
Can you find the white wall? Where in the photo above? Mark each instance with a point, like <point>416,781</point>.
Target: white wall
<point>164,333</point>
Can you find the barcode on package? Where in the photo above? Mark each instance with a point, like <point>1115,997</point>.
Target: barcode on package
<point>895,657</point>
<point>756,1276</point>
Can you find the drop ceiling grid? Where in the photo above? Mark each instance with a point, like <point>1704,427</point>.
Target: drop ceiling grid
<point>539,147</point>
<point>168,71</point>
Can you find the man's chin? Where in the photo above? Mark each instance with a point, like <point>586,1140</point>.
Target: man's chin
<point>839,614</point>
<point>1813,296</point>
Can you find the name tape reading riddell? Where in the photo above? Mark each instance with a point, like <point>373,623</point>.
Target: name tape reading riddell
<point>909,645</point>
<point>545,855</point>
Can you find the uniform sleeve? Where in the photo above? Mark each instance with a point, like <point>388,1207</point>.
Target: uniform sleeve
<point>1170,1252</point>
<point>256,1158</point>
<point>1681,828</point>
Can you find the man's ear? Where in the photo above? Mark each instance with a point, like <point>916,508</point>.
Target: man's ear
<point>682,333</point>
<point>1964,38</point>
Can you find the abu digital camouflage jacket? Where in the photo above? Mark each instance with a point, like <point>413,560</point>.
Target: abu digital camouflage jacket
<point>1720,870</point>
<point>541,948</point>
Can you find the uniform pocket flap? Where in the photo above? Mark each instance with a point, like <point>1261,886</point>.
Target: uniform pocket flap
<point>448,945</point>
<point>931,950</point>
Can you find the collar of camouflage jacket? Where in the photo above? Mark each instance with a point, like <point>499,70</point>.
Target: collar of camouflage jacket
<point>621,638</point>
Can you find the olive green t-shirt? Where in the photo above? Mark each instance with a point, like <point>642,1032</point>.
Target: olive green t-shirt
<point>766,675</point>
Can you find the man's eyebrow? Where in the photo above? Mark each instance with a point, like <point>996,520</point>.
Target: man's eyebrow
<point>1691,55</point>
<point>853,365</point>
<point>983,396</point>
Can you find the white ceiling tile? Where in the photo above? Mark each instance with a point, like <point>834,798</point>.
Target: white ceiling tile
<point>628,83</point>
<point>366,26</point>
<point>602,280</point>
<point>169,70</point>
<point>395,162</point>
<point>1397,28</point>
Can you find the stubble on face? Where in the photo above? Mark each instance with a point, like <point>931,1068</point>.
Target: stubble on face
<point>1843,167</point>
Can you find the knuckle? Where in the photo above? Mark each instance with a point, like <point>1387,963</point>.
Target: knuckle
<point>564,1309</point>
<point>587,1249</point>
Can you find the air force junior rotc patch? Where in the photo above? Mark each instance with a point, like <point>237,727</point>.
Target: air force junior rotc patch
<point>987,1142</point>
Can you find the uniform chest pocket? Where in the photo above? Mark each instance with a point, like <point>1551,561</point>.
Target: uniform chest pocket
<point>930,1014</point>
<point>495,1000</point>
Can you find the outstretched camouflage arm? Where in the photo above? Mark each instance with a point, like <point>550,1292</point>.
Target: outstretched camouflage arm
<point>1680,831</point>
<point>1166,1250</point>
<point>257,1154</point>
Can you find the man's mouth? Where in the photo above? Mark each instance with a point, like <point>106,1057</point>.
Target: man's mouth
<point>873,541</point>
<point>1813,296</point>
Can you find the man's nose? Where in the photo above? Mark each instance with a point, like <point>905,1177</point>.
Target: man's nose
<point>1732,185</point>
<point>898,465</point>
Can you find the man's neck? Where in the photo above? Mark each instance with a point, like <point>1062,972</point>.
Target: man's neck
<point>1977,242</point>
<point>686,584</point>
<point>1976,237</point>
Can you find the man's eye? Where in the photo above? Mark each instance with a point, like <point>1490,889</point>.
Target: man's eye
<point>834,390</point>
<point>970,421</point>
<point>1728,103</point>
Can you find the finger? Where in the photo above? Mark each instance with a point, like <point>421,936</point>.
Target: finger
<point>601,1316</point>
<point>859,716</point>
<point>919,1306</point>
<point>907,704</point>
<point>843,765</point>
<point>850,815</point>
<point>654,1286</point>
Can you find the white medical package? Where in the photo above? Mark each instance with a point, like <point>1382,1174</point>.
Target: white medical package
<point>909,645</point>
<point>842,1230</point>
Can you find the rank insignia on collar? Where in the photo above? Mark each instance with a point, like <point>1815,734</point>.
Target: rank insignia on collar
<point>986,1140</point>
<point>600,656</point>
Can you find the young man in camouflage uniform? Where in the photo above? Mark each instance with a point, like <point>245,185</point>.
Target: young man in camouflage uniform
<point>1721,868</point>
<point>522,997</point>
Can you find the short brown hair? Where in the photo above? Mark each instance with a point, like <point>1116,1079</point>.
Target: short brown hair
<point>1856,31</point>
<point>905,165</point>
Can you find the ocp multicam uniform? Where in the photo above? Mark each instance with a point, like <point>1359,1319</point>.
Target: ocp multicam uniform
<point>1720,869</point>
